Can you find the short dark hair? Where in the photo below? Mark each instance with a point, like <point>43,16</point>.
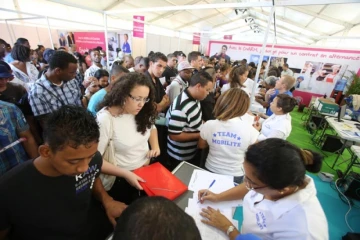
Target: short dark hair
<point>252,73</point>
<point>286,102</point>
<point>155,218</point>
<point>120,92</point>
<point>201,77</point>
<point>146,62</point>
<point>157,56</point>
<point>20,53</point>
<point>193,56</point>
<point>61,60</point>
<point>170,55</point>
<point>126,35</point>
<point>117,68</point>
<point>224,46</point>
<point>21,41</point>
<point>280,164</point>
<point>252,64</point>
<point>70,125</point>
<point>93,50</point>
<point>101,73</point>
<point>2,41</point>
<point>286,65</point>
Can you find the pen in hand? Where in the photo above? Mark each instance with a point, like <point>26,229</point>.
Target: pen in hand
<point>212,183</point>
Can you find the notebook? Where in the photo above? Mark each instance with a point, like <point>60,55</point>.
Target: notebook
<point>160,181</point>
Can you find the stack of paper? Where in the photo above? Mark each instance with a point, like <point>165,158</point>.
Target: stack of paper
<point>201,180</point>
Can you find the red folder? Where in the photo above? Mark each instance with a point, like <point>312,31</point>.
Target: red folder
<point>160,181</point>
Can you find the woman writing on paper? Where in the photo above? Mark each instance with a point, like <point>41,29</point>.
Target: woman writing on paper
<point>126,120</point>
<point>229,135</point>
<point>278,125</point>
<point>280,200</point>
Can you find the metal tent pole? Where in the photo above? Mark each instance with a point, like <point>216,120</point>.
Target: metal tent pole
<point>262,54</point>
<point>48,25</point>
<point>106,41</point>
<point>8,28</point>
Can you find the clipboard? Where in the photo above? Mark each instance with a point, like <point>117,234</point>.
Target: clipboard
<point>160,181</point>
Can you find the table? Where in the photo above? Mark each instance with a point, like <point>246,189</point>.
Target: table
<point>183,171</point>
<point>339,128</point>
<point>354,161</point>
<point>256,107</point>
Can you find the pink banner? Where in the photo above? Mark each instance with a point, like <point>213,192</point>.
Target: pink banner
<point>196,38</point>
<point>227,37</point>
<point>138,26</point>
<point>89,40</point>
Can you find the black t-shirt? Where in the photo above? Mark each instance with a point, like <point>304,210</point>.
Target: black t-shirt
<point>37,207</point>
<point>159,89</point>
<point>207,107</point>
<point>168,73</point>
<point>12,93</point>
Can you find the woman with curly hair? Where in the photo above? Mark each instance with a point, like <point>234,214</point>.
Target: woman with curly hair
<point>127,118</point>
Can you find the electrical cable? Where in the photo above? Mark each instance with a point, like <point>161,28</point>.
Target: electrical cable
<point>346,215</point>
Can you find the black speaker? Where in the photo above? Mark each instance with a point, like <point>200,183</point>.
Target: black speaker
<point>331,143</point>
<point>352,186</point>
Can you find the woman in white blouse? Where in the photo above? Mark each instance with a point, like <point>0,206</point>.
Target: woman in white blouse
<point>21,66</point>
<point>278,125</point>
<point>129,110</point>
<point>229,135</point>
<point>237,78</point>
<point>279,199</point>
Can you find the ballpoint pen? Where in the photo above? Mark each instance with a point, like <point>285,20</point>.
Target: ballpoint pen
<point>207,190</point>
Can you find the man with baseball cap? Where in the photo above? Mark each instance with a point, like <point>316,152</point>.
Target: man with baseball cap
<point>181,80</point>
<point>9,92</point>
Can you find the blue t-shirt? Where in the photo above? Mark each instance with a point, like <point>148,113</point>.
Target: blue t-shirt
<point>95,100</point>
<point>8,58</point>
<point>272,97</point>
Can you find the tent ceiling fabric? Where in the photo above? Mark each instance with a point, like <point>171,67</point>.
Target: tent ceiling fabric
<point>308,24</point>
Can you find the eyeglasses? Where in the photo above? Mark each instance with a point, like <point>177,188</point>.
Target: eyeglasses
<point>249,186</point>
<point>139,99</point>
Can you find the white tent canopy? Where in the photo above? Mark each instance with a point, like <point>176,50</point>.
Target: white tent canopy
<point>332,23</point>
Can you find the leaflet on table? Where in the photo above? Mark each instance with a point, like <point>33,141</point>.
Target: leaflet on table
<point>206,231</point>
<point>351,133</point>
<point>225,205</point>
<point>201,179</point>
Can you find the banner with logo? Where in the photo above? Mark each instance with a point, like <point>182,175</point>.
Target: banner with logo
<point>196,38</point>
<point>88,40</point>
<point>138,26</point>
<point>317,70</point>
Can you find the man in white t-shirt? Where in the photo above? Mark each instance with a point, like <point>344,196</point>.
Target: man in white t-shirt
<point>287,70</point>
<point>96,63</point>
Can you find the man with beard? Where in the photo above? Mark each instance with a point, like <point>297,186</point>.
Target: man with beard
<point>96,63</point>
<point>57,87</point>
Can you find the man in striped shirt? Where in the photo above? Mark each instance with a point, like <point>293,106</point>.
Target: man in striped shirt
<point>184,120</point>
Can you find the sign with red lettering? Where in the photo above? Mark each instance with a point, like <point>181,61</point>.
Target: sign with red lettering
<point>317,70</point>
<point>138,26</point>
<point>89,40</point>
<point>196,38</point>
<point>227,37</point>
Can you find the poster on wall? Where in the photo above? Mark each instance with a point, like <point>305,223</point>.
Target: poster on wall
<point>196,38</point>
<point>85,41</point>
<point>317,70</point>
<point>65,39</point>
<point>125,42</point>
<point>138,26</point>
<point>113,46</point>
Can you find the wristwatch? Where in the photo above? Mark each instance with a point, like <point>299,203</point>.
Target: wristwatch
<point>229,230</point>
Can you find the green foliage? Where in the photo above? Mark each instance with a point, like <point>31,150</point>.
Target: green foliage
<point>354,86</point>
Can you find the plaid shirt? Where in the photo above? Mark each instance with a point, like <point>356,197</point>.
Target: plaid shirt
<point>12,122</point>
<point>44,100</point>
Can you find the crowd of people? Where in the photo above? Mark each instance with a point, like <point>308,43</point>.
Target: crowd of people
<point>73,132</point>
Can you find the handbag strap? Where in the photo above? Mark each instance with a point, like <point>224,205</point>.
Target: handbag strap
<point>111,134</point>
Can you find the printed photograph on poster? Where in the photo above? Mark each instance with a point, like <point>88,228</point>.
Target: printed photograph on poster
<point>113,45</point>
<point>324,80</point>
<point>125,43</point>
<point>255,59</point>
<point>222,54</point>
<point>66,39</point>
<point>278,61</point>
